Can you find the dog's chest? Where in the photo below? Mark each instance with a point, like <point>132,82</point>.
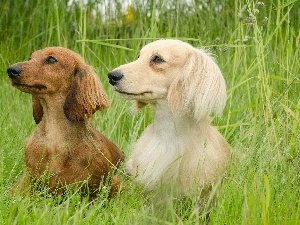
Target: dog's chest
<point>157,154</point>
<point>43,150</point>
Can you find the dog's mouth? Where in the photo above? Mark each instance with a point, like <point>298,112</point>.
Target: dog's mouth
<point>134,94</point>
<point>25,86</point>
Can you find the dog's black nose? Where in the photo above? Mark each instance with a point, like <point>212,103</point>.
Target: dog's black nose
<point>114,77</point>
<point>14,71</point>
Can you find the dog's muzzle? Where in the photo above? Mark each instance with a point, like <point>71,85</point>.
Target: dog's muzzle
<point>14,71</point>
<point>114,77</point>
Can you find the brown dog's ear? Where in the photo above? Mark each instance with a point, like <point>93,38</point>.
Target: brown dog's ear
<point>86,94</point>
<point>37,110</point>
<point>200,90</point>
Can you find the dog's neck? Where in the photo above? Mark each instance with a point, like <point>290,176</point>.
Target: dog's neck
<point>54,119</point>
<point>165,118</point>
<point>165,141</point>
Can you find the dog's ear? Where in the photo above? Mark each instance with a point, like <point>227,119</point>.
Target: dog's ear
<point>86,94</point>
<point>37,110</point>
<point>200,89</point>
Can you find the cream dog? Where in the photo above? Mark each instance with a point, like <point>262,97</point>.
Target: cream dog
<point>184,86</point>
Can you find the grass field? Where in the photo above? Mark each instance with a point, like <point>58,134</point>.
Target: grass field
<point>257,48</point>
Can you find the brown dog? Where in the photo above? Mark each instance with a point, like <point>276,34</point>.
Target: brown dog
<point>65,149</point>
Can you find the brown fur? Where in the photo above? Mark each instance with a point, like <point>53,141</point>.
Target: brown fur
<point>65,149</point>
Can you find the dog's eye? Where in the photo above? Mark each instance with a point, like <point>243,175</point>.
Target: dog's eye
<point>50,60</point>
<point>156,59</point>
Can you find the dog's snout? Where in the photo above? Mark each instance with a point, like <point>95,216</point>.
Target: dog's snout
<point>14,71</point>
<point>114,77</point>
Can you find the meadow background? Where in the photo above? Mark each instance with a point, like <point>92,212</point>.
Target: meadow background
<point>256,45</point>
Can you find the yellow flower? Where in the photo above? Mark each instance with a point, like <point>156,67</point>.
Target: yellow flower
<point>129,15</point>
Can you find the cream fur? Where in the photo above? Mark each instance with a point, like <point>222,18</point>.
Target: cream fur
<point>180,148</point>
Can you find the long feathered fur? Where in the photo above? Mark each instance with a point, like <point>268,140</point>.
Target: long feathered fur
<point>200,90</point>
<point>86,94</point>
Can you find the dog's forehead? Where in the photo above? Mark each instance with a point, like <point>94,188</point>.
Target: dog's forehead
<point>166,47</point>
<point>58,52</point>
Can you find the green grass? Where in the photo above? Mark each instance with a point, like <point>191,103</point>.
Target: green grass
<point>260,62</point>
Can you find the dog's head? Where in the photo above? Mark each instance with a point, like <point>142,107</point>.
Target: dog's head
<point>57,71</point>
<point>187,77</point>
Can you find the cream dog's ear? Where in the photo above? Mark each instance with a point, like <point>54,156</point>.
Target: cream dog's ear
<point>200,89</point>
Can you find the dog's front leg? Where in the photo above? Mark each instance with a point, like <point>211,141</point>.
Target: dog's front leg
<point>21,186</point>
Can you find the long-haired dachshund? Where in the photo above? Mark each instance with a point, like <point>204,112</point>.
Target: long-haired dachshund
<point>184,86</point>
<point>65,150</point>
